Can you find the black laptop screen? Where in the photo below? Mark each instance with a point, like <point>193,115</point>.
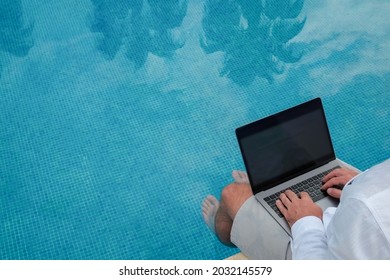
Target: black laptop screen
<point>285,145</point>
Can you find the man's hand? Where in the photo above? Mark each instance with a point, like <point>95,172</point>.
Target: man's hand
<point>294,208</point>
<point>336,180</point>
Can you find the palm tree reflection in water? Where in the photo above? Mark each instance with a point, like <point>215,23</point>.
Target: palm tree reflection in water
<point>15,30</point>
<point>142,26</point>
<point>254,36</point>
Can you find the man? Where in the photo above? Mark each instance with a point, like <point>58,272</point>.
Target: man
<point>358,229</point>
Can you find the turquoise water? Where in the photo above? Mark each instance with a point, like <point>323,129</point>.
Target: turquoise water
<point>117,117</point>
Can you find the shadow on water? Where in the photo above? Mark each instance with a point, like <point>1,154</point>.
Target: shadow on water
<point>253,35</point>
<point>15,31</point>
<point>142,27</point>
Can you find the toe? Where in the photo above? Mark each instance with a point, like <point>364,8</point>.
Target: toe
<point>209,204</point>
<point>240,176</point>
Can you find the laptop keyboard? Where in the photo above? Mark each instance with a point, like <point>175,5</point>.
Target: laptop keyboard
<point>311,186</point>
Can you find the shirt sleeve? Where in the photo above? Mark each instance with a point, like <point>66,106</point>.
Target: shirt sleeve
<point>358,230</point>
<point>309,239</point>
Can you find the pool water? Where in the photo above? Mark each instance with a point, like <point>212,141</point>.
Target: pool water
<point>117,117</point>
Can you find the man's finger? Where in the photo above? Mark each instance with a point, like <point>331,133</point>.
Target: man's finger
<point>334,173</point>
<point>281,207</point>
<point>285,200</point>
<point>339,172</point>
<point>336,193</point>
<point>335,181</point>
<point>291,195</point>
<point>304,195</point>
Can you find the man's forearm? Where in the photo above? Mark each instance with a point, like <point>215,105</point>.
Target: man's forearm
<point>309,239</point>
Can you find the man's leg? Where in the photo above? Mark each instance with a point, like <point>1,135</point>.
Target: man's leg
<point>219,216</point>
<point>239,220</point>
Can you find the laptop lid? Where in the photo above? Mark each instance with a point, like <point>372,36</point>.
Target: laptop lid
<point>285,145</point>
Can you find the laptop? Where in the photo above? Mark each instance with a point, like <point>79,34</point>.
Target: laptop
<point>291,149</point>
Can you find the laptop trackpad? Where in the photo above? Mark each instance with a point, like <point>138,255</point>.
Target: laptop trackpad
<point>328,202</point>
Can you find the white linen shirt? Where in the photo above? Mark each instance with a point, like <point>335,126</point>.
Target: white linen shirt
<point>359,228</point>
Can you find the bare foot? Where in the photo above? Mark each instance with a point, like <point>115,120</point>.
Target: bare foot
<point>240,177</point>
<point>210,207</point>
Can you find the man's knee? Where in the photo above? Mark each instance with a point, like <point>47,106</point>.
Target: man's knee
<point>235,190</point>
<point>234,196</point>
<point>229,191</point>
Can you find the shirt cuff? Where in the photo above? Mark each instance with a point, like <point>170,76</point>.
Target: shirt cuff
<point>306,223</point>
